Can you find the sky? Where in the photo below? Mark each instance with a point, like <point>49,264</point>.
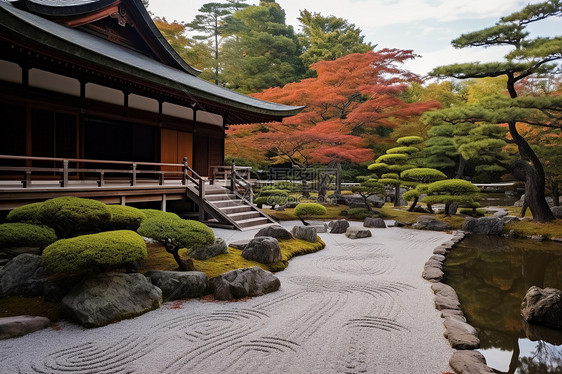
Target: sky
<point>424,26</point>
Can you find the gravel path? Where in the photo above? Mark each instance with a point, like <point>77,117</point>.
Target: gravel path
<point>358,306</point>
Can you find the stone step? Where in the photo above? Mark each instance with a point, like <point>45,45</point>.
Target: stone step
<point>252,222</point>
<point>226,203</point>
<point>218,197</point>
<point>215,190</point>
<point>244,215</point>
<point>235,209</point>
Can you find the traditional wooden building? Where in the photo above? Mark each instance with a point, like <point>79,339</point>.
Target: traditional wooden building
<point>96,80</point>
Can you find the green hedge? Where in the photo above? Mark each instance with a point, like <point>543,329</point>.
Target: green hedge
<point>19,234</point>
<point>125,217</point>
<point>452,186</point>
<point>73,215</point>
<point>176,231</point>
<point>104,250</point>
<point>152,213</point>
<point>25,213</point>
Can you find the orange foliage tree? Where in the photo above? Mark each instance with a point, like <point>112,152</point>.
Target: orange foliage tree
<point>352,103</point>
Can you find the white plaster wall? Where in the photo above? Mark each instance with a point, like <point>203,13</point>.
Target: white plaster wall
<point>54,82</point>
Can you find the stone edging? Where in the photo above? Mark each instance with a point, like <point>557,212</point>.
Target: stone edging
<point>461,335</point>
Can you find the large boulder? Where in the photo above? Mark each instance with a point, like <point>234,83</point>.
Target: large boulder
<point>557,211</point>
<point>179,284</point>
<point>430,223</point>
<point>11,327</point>
<point>240,283</point>
<point>110,297</point>
<point>375,201</point>
<point>208,251</point>
<point>338,227</point>
<point>23,276</point>
<point>374,223</point>
<point>307,233</point>
<point>320,227</point>
<point>356,232</point>
<point>264,249</point>
<point>275,231</point>
<point>543,306</point>
<point>483,225</point>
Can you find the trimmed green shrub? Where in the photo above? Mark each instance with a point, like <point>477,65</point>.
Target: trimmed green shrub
<point>104,250</point>
<point>25,213</point>
<point>452,186</point>
<point>362,213</point>
<point>152,213</point>
<point>176,233</point>
<point>125,217</point>
<point>473,212</point>
<point>409,140</point>
<point>20,234</point>
<point>73,215</point>
<point>307,210</point>
<point>403,150</point>
<point>452,191</point>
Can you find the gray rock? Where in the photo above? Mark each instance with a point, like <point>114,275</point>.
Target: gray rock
<point>110,297</point>
<point>543,306</point>
<point>374,222</point>
<point>436,257</point>
<point>461,335</point>
<point>11,327</point>
<point>432,274</point>
<point>338,227</point>
<point>264,249</point>
<point>557,211</point>
<point>357,232</point>
<point>274,231</point>
<point>6,254</point>
<point>550,201</point>
<point>23,276</point>
<point>430,223</point>
<point>307,233</point>
<point>469,362</point>
<point>55,290</point>
<point>240,283</point>
<point>457,313</point>
<point>445,290</point>
<point>206,252</point>
<point>320,227</point>
<point>179,284</point>
<point>375,201</point>
<point>509,219</point>
<point>483,225</point>
<point>440,251</point>
<point>240,244</point>
<point>453,207</point>
<point>402,224</point>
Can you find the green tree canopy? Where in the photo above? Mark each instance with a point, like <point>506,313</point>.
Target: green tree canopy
<point>528,57</point>
<point>328,38</point>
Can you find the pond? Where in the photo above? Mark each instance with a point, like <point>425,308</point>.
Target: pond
<point>497,199</point>
<point>491,276</point>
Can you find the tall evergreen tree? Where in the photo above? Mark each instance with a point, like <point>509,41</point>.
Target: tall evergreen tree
<point>328,38</point>
<point>264,51</point>
<point>213,26</point>
<point>529,57</point>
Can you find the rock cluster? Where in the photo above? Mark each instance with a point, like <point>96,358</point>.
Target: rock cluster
<point>355,232</point>
<point>374,223</point>
<point>483,225</point>
<point>274,231</point>
<point>430,223</point>
<point>206,252</point>
<point>263,249</point>
<point>338,227</point>
<point>543,306</point>
<point>179,284</point>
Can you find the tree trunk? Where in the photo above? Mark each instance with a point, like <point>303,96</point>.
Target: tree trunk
<point>534,177</point>
<point>413,206</point>
<point>447,206</point>
<point>460,170</point>
<point>397,195</point>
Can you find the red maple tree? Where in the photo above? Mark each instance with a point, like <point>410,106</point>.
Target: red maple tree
<point>347,105</point>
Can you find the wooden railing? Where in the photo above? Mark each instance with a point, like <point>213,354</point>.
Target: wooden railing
<point>224,172</point>
<point>240,182</point>
<point>101,170</point>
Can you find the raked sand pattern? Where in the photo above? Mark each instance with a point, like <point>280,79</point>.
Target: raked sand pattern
<point>358,306</point>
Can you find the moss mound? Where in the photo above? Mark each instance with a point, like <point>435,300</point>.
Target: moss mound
<point>104,250</point>
<point>73,215</point>
<point>25,235</point>
<point>310,209</point>
<point>25,213</point>
<point>152,213</point>
<point>125,217</point>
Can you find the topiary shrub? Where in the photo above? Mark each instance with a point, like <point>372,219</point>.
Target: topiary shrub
<point>17,234</point>
<point>176,233</point>
<point>125,217</point>
<point>70,216</point>
<point>307,210</point>
<point>452,191</point>
<point>152,213</point>
<point>25,213</point>
<point>103,251</point>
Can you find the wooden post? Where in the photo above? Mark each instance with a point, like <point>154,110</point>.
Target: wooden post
<point>101,182</point>
<point>184,172</point>
<point>233,176</point>
<point>134,177</point>
<point>201,201</point>
<point>163,207</point>
<point>27,181</point>
<point>64,182</point>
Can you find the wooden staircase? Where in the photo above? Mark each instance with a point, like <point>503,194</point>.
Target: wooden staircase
<point>223,208</point>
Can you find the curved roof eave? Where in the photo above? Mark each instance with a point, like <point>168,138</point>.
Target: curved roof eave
<point>69,8</point>
<point>96,50</point>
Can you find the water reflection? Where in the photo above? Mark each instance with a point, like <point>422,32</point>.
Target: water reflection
<point>491,276</point>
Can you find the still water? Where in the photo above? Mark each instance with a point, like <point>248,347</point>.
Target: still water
<point>491,276</point>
